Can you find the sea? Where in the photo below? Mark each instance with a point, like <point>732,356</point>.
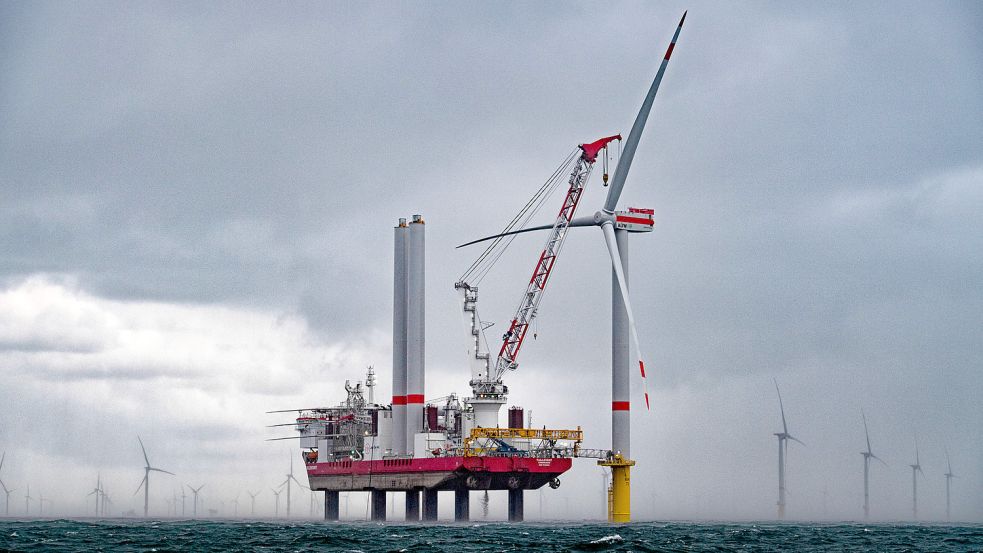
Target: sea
<point>256,535</point>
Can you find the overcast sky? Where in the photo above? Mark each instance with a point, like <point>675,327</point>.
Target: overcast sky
<point>196,211</point>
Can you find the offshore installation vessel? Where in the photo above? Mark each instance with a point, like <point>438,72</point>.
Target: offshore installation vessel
<point>421,446</point>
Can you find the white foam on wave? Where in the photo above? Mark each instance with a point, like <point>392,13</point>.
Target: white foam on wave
<point>615,538</point>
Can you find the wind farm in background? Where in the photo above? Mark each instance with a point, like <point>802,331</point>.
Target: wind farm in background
<point>173,497</point>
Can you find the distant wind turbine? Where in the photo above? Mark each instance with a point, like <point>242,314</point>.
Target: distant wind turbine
<point>7,492</point>
<point>868,455</point>
<point>182,500</point>
<point>252,500</point>
<point>195,500</point>
<point>290,476</point>
<point>97,491</point>
<point>235,505</point>
<point>41,501</point>
<point>4,486</point>
<point>783,438</point>
<point>948,478</point>
<point>915,469</point>
<point>145,483</point>
<point>276,495</point>
<point>27,500</point>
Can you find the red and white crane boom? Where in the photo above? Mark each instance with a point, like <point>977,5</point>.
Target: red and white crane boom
<point>524,315</point>
<point>486,380</point>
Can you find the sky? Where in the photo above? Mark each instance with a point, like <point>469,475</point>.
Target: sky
<point>196,204</point>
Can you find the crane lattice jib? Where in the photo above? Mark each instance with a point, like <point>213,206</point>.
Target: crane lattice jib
<point>512,340</point>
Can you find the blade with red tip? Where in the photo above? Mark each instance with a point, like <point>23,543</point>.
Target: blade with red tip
<point>615,253</point>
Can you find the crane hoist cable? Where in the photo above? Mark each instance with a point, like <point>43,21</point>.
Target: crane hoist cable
<point>480,267</point>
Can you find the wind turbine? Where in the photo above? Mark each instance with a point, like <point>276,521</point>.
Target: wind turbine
<point>183,496</point>
<point>27,500</point>
<point>276,495</point>
<point>195,492</point>
<point>915,469</point>
<point>252,502</point>
<point>615,226</point>
<point>97,491</point>
<point>107,501</point>
<point>783,438</point>
<point>290,476</point>
<point>948,478</point>
<point>4,486</point>
<point>145,483</point>
<point>235,505</point>
<point>868,455</point>
<point>41,500</point>
<point>7,492</point>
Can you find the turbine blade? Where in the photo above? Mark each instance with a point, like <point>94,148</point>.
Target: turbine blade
<point>791,437</point>
<point>298,482</point>
<point>867,434</point>
<point>142,482</point>
<point>164,471</point>
<point>879,459</point>
<point>782,407</point>
<point>587,221</point>
<point>2,458</point>
<point>612,243</point>
<point>144,450</point>
<point>631,144</point>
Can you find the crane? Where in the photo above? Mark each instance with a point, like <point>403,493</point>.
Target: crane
<point>486,382</point>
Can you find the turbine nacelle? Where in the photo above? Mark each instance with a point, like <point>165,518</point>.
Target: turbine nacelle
<point>634,220</point>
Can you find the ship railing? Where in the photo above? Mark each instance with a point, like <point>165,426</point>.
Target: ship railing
<point>528,433</point>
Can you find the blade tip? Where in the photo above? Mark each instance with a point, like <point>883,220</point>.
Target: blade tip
<point>683,18</point>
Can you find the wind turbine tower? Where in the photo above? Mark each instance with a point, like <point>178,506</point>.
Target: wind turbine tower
<point>948,478</point>
<point>97,491</point>
<point>783,438</point>
<point>145,483</point>
<point>195,499</point>
<point>868,455</point>
<point>6,491</point>
<point>276,495</point>
<point>252,504</point>
<point>915,469</point>
<point>290,476</point>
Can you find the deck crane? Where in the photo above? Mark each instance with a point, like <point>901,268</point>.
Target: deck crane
<point>486,382</point>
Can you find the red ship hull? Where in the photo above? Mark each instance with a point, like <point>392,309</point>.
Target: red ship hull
<point>440,473</point>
